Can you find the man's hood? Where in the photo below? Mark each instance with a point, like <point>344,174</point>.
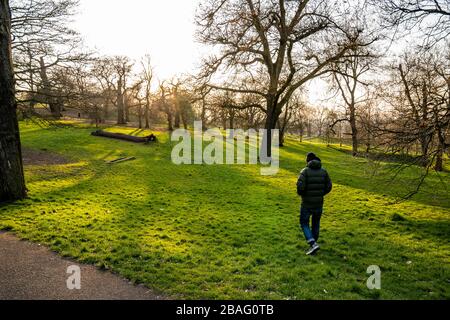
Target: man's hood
<point>315,164</point>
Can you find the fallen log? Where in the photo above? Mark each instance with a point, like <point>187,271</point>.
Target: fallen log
<point>125,137</point>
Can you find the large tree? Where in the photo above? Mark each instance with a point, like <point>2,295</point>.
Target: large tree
<point>419,118</point>
<point>425,84</point>
<point>271,48</point>
<point>113,74</point>
<point>12,182</point>
<point>348,79</point>
<point>43,43</point>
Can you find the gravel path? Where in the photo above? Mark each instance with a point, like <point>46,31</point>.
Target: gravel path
<point>29,271</point>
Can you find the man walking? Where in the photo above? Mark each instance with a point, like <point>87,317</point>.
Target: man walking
<point>313,184</point>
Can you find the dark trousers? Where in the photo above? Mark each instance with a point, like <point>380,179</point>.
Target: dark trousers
<point>311,235</point>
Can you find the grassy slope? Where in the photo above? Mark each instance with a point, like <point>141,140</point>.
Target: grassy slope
<point>226,231</point>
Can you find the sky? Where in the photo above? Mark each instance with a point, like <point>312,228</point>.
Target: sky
<point>162,28</point>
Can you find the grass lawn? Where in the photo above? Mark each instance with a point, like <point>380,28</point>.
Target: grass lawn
<point>226,232</point>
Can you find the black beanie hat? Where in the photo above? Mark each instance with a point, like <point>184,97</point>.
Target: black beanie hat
<point>310,157</point>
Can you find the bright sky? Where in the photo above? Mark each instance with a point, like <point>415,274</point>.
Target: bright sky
<point>162,28</point>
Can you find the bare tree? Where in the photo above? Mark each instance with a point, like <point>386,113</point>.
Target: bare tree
<point>348,79</point>
<point>12,182</point>
<point>147,78</point>
<point>137,99</point>
<point>441,111</point>
<point>271,48</point>
<point>421,108</point>
<point>287,119</point>
<point>202,93</point>
<point>112,74</point>
<point>164,105</point>
<point>301,119</point>
<point>43,43</point>
<point>174,89</point>
<point>104,74</point>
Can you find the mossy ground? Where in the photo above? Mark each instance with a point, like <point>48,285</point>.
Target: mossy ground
<point>226,232</point>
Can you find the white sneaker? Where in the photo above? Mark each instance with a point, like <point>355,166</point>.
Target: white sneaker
<point>314,248</point>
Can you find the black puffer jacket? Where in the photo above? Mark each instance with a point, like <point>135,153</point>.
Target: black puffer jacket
<point>313,184</point>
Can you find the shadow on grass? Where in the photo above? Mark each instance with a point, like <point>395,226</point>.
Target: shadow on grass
<point>401,159</point>
<point>425,229</point>
<point>358,173</point>
<point>221,232</point>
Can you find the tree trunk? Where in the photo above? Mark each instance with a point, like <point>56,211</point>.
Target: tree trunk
<point>146,115</point>
<point>266,147</point>
<point>232,115</point>
<point>12,181</point>
<point>424,150</point>
<point>184,119</point>
<point>32,86</point>
<point>55,107</point>
<point>369,142</point>
<point>98,118</point>
<point>439,166</point>
<point>120,103</point>
<point>140,116</point>
<point>105,113</point>
<point>271,124</point>
<point>300,131</point>
<point>282,134</point>
<point>203,115</point>
<point>126,108</point>
<point>309,129</point>
<point>169,121</point>
<point>177,118</point>
<point>354,130</point>
<point>282,126</point>
<point>224,120</point>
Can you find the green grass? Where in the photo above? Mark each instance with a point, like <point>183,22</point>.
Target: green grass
<point>226,232</point>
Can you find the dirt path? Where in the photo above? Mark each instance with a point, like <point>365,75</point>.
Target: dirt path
<point>29,271</point>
